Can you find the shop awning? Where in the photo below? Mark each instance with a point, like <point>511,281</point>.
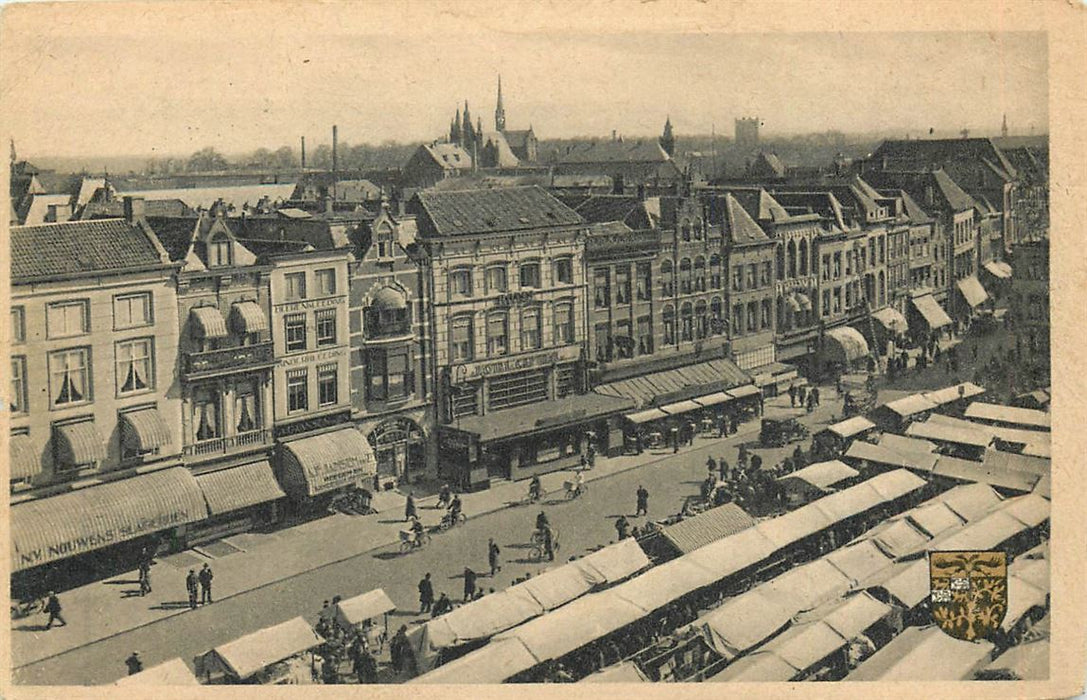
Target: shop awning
<point>81,521</point>
<point>25,462</point>
<point>680,407</point>
<point>314,465</point>
<point>972,291</point>
<point>714,399</point>
<point>248,317</point>
<point>891,319</point>
<point>247,655</point>
<point>239,487</point>
<point>79,443</point>
<point>649,414</point>
<point>680,383</point>
<point>145,429</point>
<point>998,269</point>
<point>743,391</point>
<point>544,415</point>
<point>208,322</point>
<point>173,672</point>
<point>848,342</point>
<point>931,311</point>
<point>355,611</point>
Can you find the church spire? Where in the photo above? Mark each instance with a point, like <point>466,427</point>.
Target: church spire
<point>469,133</point>
<point>668,139</point>
<point>499,110</point>
<point>1004,127</point>
<point>455,132</point>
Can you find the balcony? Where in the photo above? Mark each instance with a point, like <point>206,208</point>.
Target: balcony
<point>226,360</point>
<point>224,445</point>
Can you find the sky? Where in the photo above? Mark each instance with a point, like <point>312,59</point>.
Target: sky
<point>148,86</point>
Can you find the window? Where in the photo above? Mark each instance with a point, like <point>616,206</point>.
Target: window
<point>247,410</point>
<point>219,251</point>
<point>326,282</point>
<point>826,267</point>
<point>462,338</point>
<point>837,265</point>
<point>622,285</point>
<point>752,313</point>
<point>624,340</point>
<point>566,382</point>
<point>564,324</point>
<point>767,314</point>
<point>134,366</point>
<point>66,319</point>
<point>460,282</point>
<point>296,285</point>
<point>766,273</point>
<point>790,255</point>
<point>530,328</point>
<point>564,271</point>
<point>700,273</point>
<point>18,325</point>
<point>752,276</point>
<point>294,327</point>
<point>686,229</point>
<point>686,322</point>
<point>837,300</point>
<point>530,274</point>
<point>496,279</point>
<point>206,413</point>
<point>602,336</point>
<point>390,375</point>
<point>699,230</point>
<point>701,320</point>
<point>69,376</point>
<point>18,385</point>
<point>804,257</point>
<point>738,319</point>
<point>297,390</point>
<point>645,335</point>
<point>715,271</point>
<point>738,278</point>
<point>497,334</point>
<point>667,278</point>
<point>643,281</point>
<point>131,311</point>
<point>326,327</point>
<point>669,319</point>
<point>327,385</point>
<point>601,288</point>
<point>685,276</point>
<point>826,303</point>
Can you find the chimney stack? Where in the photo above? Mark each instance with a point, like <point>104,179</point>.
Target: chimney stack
<point>133,209</point>
<point>334,149</point>
<point>303,152</point>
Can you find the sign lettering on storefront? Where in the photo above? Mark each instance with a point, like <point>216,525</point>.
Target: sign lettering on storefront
<point>546,358</point>
<point>333,475</point>
<point>86,543</point>
<point>305,359</point>
<point>505,301</point>
<point>308,304</point>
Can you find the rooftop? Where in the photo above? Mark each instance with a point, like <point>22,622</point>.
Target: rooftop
<point>79,247</point>
<point>487,211</point>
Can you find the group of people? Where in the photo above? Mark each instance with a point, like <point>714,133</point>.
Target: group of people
<point>199,583</point>
<point>804,397</point>
<point>340,644</point>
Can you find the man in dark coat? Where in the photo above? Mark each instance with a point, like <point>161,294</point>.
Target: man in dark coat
<point>426,594</point>
<point>443,605</point>
<point>469,584</point>
<point>191,586</point>
<point>492,557</point>
<point>409,507</point>
<point>792,394</point>
<point>549,543</point>
<point>643,501</point>
<point>622,527</point>
<point>205,584</point>
<point>815,395</point>
<point>365,667</point>
<point>134,664</point>
<point>398,647</point>
<point>52,606</point>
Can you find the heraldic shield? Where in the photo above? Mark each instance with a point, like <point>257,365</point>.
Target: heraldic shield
<point>969,592</point>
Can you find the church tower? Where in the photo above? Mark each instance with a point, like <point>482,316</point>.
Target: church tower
<point>469,134</point>
<point>668,139</point>
<point>499,111</point>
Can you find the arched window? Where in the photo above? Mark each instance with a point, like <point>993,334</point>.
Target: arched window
<point>717,325</point>
<point>530,274</point>
<point>669,324</point>
<point>685,276</point>
<point>495,277</point>
<point>790,258</point>
<point>497,334</point>
<point>716,279</point>
<point>531,334</point>
<point>781,261</point>
<point>388,314</point>
<point>803,257</point>
<point>686,321</point>
<point>699,230</point>
<point>783,317</point>
<point>700,273</point>
<point>752,316</point>
<point>686,229</point>
<point>668,279</point>
<point>701,320</point>
<point>767,314</point>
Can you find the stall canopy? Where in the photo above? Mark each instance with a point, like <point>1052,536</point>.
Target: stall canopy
<point>758,667</point>
<point>940,432</point>
<point>924,652</point>
<point>931,311</point>
<point>910,405</point>
<point>865,452</point>
<point>823,475</point>
<point>491,614</point>
<point>321,463</point>
<point>1008,415</point>
<point>860,561</point>
<point>805,645</point>
<point>857,614</point>
<point>613,563</point>
<point>848,343</point>
<point>492,664</point>
<point>898,538</point>
<point>935,519</point>
<point>707,527</point>
<point>247,655</point>
<point>558,586</point>
<point>1027,661</point>
<point>891,319</point>
<point>1032,510</point>
<point>49,529</point>
<point>998,269</point>
<point>735,553</point>
<point>957,392</point>
<point>680,383</point>
<point>646,416</point>
<point>984,534</point>
<point>743,391</point>
<point>911,585</point>
<point>25,461</point>
<point>851,426</point>
<point>1039,440</point>
<point>971,501</point>
<point>744,621</point>
<point>626,672</point>
<point>714,399</point>
<point>907,446</point>
<point>172,672</point>
<point>665,583</point>
<point>573,626</point>
<point>355,611</point>
<point>807,587</point>
<point>1022,597</point>
<point>239,487</point>
<point>969,470</point>
<point>972,291</point>
<point>680,407</point>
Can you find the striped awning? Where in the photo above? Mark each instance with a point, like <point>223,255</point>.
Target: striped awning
<point>649,414</point>
<point>321,463</point>
<point>239,487</point>
<point>248,317</point>
<point>208,322</point>
<point>79,443</point>
<point>849,342</point>
<point>25,462</point>
<point>675,409</point>
<point>931,311</point>
<point>144,430</point>
<point>972,291</point>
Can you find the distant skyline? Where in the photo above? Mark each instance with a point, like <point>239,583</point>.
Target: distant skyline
<point>136,92</point>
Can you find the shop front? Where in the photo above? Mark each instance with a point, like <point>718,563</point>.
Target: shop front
<point>399,447</point>
<point>240,499</point>
<point>314,468</point>
<point>930,319</point>
<point>889,330</point>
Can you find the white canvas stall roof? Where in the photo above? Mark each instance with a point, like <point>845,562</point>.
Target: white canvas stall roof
<point>851,426</point>
<point>665,583</point>
<point>911,585</point>
<point>1028,661</point>
<point>758,667</point>
<point>491,664</point>
<point>882,455</point>
<point>794,526</point>
<point>1035,440</point>
<point>1022,596</point>
<point>899,538</point>
<point>1044,487</point>
<point>940,432</point>
<point>172,672</point>
<point>968,470</point>
<point>1023,463</point>
<point>649,414</point>
<point>557,586</point>
<point>849,341</point>
<point>1033,571</point>
<point>614,562</point>
<point>807,587</point>
<point>626,672</point>
<point>910,405</point>
<point>857,614</point>
<point>427,640</point>
<point>892,485</point>
<point>971,501</point>
<point>679,407</point>
<point>575,625</point>
<point>935,519</point>
<point>743,391</point>
<point>860,561</point>
<point>1032,510</point>
<point>718,397</point>
<point>926,653</point>
<point>734,553</point>
<point>823,475</point>
<point>955,392</point>
<point>805,645</point>
<point>355,611</point>
<point>1008,414</point>
<point>987,533</point>
<point>744,621</point>
<point>249,654</point>
<point>491,614</point>
<point>707,527</point>
<point>906,445</point>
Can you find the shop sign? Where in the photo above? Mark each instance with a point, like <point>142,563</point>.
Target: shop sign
<point>505,301</point>
<point>121,533</point>
<point>308,304</point>
<point>333,475</point>
<point>307,358</point>
<point>547,358</point>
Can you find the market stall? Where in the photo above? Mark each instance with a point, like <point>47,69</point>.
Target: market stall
<point>361,614</point>
<point>278,655</point>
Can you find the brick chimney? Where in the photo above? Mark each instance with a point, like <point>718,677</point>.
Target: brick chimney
<point>134,209</point>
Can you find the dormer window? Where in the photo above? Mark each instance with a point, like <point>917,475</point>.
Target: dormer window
<point>219,251</point>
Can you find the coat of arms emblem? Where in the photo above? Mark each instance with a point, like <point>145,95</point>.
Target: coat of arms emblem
<point>969,592</point>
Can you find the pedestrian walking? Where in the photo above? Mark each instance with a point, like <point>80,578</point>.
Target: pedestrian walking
<point>205,584</point>
<point>811,402</point>
<point>492,557</point>
<point>643,501</point>
<point>134,664</point>
<point>397,648</point>
<point>549,543</point>
<point>191,583</point>
<point>801,394</point>
<point>52,606</point>
<point>469,584</point>
<point>711,464</point>
<point>365,667</point>
<point>792,395</point>
<point>673,433</point>
<point>145,577</point>
<point>409,507</point>
<point>815,394</point>
<point>426,594</point>
<point>622,527</point>
<point>723,465</point>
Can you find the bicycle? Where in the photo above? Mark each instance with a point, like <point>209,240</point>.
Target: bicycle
<point>448,520</point>
<point>539,551</point>
<point>409,540</point>
<point>573,490</point>
<point>26,607</point>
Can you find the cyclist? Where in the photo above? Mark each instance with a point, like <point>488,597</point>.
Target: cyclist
<point>534,489</point>
<point>454,509</point>
<point>579,483</point>
<point>542,522</point>
<point>444,495</point>
<point>417,531</point>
